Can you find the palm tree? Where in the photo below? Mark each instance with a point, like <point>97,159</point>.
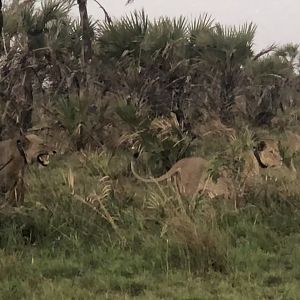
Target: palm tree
<point>1,17</point>
<point>226,50</point>
<point>86,39</point>
<point>35,26</point>
<point>28,27</point>
<point>122,38</point>
<point>272,79</point>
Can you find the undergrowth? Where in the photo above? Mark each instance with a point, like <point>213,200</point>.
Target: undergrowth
<point>88,230</point>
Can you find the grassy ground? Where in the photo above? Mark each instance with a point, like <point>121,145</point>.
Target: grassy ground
<point>89,231</point>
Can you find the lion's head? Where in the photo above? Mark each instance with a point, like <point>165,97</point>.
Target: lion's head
<point>267,153</point>
<point>34,149</point>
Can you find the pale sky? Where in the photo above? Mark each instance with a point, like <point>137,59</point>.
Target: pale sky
<point>277,20</point>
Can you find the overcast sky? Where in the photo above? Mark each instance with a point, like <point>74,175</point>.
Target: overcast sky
<point>277,20</point>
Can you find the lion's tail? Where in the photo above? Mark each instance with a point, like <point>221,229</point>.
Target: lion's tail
<point>165,176</point>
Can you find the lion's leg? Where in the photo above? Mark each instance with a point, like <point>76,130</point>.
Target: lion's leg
<point>3,200</point>
<point>179,185</point>
<point>20,190</point>
<point>179,182</point>
<point>16,195</point>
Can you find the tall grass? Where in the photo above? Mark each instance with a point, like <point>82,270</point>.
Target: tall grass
<point>131,238</point>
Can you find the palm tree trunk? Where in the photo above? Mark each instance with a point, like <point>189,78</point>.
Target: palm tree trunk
<point>86,55</point>
<point>227,98</point>
<point>2,43</point>
<point>26,114</point>
<point>1,17</point>
<point>86,47</point>
<point>27,109</point>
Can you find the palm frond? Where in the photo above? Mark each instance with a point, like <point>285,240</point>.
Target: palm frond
<point>203,22</point>
<point>55,9</point>
<point>265,69</point>
<point>124,35</point>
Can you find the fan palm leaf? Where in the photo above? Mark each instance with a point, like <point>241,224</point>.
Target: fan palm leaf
<point>123,37</point>
<point>165,38</point>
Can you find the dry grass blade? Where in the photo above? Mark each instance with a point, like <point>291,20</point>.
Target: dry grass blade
<point>164,126</point>
<point>97,202</point>
<point>69,179</point>
<point>130,138</point>
<point>154,202</point>
<point>170,200</point>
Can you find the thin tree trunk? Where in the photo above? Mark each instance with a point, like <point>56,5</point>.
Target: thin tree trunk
<point>1,30</point>
<point>1,16</point>
<point>86,46</point>
<point>27,109</point>
<point>86,56</point>
<point>227,98</point>
<point>26,114</point>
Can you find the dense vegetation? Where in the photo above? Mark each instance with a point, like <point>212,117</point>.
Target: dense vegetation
<point>171,88</point>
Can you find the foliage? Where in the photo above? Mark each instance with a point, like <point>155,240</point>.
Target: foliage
<point>141,242</point>
<point>123,37</point>
<point>162,139</point>
<point>148,86</point>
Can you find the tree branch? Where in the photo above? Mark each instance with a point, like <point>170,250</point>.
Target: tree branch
<point>264,51</point>
<point>1,16</point>
<point>107,16</point>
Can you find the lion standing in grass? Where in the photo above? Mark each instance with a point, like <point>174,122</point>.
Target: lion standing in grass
<point>15,155</point>
<point>192,173</point>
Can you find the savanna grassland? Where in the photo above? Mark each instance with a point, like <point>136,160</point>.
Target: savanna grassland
<point>99,91</point>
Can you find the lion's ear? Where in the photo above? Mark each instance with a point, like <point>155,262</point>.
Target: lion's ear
<point>136,155</point>
<point>21,131</point>
<point>261,146</point>
<point>22,143</point>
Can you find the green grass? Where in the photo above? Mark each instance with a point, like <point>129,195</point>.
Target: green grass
<point>59,246</point>
<point>40,273</point>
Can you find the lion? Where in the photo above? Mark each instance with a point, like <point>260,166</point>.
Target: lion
<point>265,155</point>
<point>192,172</point>
<point>16,154</point>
